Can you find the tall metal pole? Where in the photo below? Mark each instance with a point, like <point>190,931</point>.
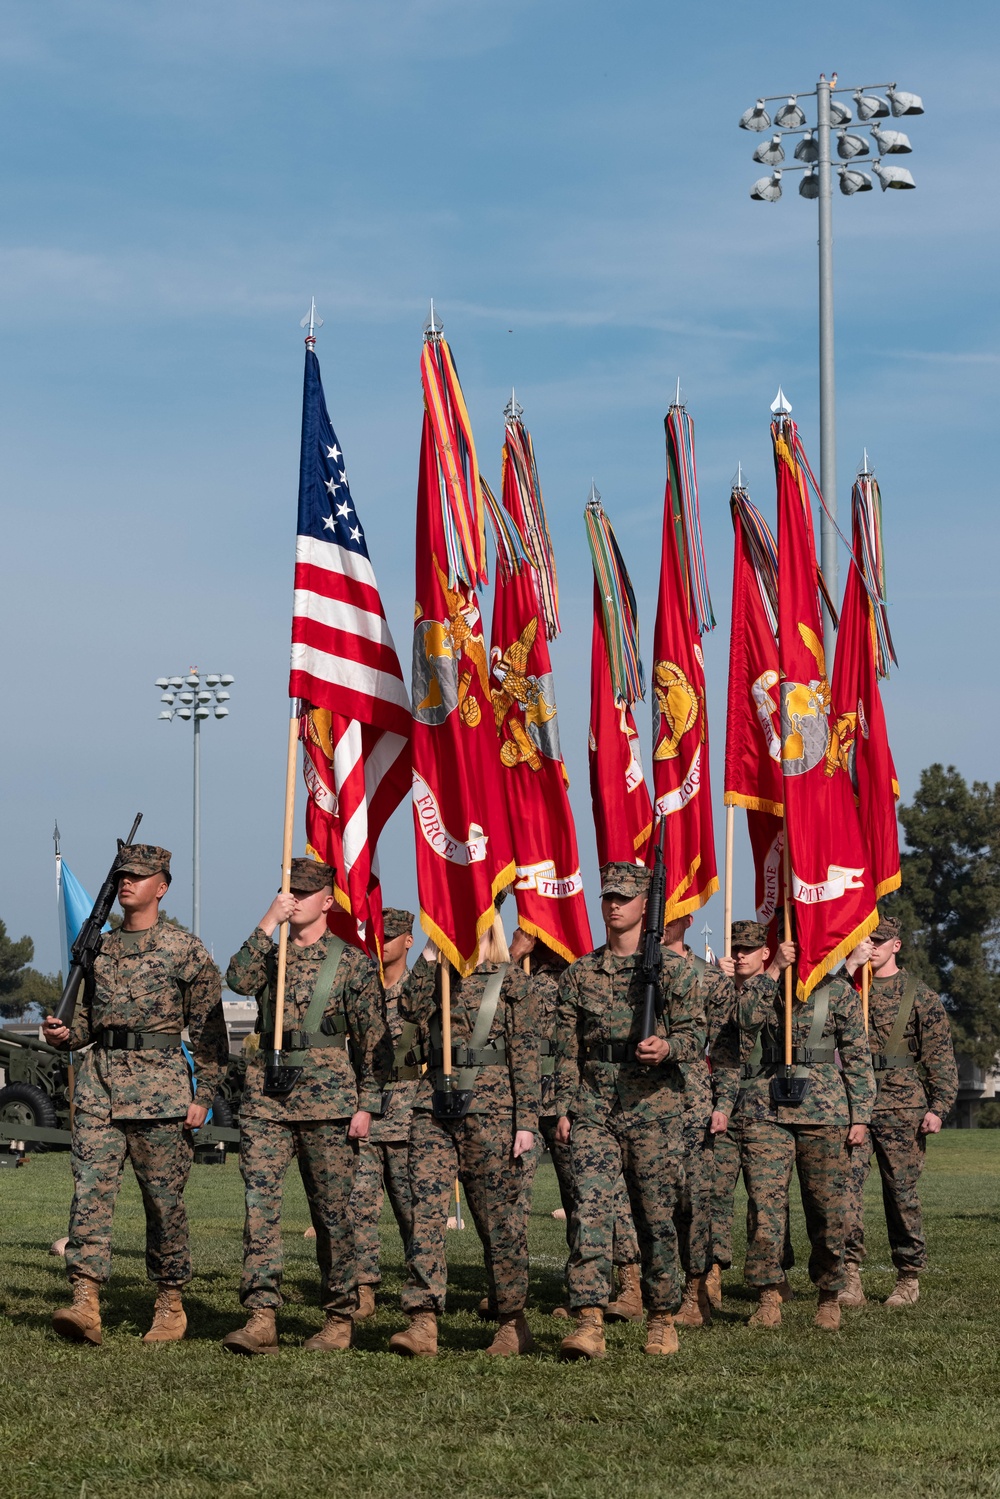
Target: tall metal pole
<point>196,858</point>
<point>827,387</point>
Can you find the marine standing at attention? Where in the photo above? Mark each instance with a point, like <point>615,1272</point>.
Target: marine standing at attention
<point>134,1098</point>
<point>336,1037</point>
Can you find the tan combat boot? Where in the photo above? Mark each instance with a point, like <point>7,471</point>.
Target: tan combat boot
<point>81,1322</point>
<point>713,1286</point>
<point>169,1318</point>
<point>420,1340</point>
<point>828,1316</point>
<point>853,1293</point>
<point>906,1291</point>
<point>627,1305</point>
<point>661,1334</point>
<point>588,1340</point>
<point>695,1309</point>
<point>334,1336</point>
<point>768,1313</point>
<point>260,1335</point>
<point>366,1304</point>
<point>513,1336</point>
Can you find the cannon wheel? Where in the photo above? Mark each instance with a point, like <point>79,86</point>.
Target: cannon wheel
<point>23,1103</point>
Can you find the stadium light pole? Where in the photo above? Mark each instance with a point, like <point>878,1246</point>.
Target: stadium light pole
<point>195,697</point>
<point>814,151</point>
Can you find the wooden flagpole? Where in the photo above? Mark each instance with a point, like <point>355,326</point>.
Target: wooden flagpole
<point>727,898</point>
<point>789,971</point>
<point>291,770</point>
<point>866,978</point>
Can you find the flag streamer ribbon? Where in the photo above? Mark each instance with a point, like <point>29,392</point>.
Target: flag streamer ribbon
<point>866,505</point>
<point>763,553</point>
<point>461,505</point>
<point>519,459</point>
<point>512,550</point>
<point>684,488</point>
<point>618,607</point>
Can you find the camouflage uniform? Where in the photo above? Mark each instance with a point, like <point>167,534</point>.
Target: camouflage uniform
<point>478,1148</point>
<point>627,1118</point>
<point>905,1093</point>
<point>382,1158</point>
<point>728,1087</point>
<point>625,1247</point>
<point>309,1123</point>
<point>131,1103</point>
<point>693,1216</point>
<point>810,1137</point>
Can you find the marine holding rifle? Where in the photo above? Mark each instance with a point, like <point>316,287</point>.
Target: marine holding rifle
<point>340,1053</point>
<point>142,985</point>
<point>475,1117</point>
<point>621,1036</point>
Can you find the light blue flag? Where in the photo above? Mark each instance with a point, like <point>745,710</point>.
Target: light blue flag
<point>76,906</point>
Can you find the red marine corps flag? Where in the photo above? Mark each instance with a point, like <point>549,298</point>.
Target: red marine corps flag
<point>623,813</point>
<point>681,790</point>
<point>753,724</point>
<point>833,894</point>
<point>549,887</point>
<point>354,713</point>
<point>864,650</point>
<point>464,854</point>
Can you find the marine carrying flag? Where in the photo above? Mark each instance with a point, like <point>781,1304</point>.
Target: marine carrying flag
<point>354,712</point>
<point>623,812</point>
<point>464,852</point>
<point>549,886</point>
<point>864,650</point>
<point>833,894</point>
<point>753,723</point>
<point>681,789</point>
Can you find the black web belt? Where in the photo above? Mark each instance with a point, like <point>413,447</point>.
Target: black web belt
<point>120,1038</point>
<point>888,1061</point>
<point>493,1054</point>
<point>302,1040</point>
<point>609,1051</point>
<point>802,1056</point>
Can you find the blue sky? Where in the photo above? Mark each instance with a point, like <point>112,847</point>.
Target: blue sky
<point>568,182</point>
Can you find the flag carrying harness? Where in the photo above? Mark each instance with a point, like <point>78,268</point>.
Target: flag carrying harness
<point>315,1030</point>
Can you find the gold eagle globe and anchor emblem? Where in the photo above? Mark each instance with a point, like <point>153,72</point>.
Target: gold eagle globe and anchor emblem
<point>441,682</point>
<point>523,743</point>
<point>808,738</point>
<point>677,707</point>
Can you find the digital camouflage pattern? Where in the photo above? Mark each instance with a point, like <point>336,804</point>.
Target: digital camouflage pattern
<point>310,1123</point>
<point>512,1088</point>
<point>717,996</point>
<point>771,1152</point>
<point>392,1126</point>
<point>933,1084</point>
<point>132,1104</point>
<point>845,1096</point>
<point>810,1137</point>
<point>626,1119</point>
<point>479,1147</point>
<point>545,992</point>
<point>306,876</point>
<point>478,1150</point>
<point>161,1153</point>
<point>160,979</point>
<point>626,880</point>
<point>382,1158</point>
<point>335,1081</point>
<point>326,1160</point>
<point>904,1096</point>
<point>143,859</point>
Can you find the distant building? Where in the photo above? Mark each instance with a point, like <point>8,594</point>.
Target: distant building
<point>975,1087</point>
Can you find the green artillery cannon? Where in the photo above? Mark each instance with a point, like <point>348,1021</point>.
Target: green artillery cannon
<point>35,1100</point>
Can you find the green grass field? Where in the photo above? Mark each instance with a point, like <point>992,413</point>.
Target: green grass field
<point>902,1403</point>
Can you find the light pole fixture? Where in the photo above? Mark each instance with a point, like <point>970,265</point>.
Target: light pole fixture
<point>814,152</point>
<point>195,698</point>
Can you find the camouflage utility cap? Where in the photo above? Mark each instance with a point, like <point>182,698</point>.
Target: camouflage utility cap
<point>396,923</point>
<point>888,930</point>
<point>144,859</point>
<point>748,934</point>
<point>626,880</point>
<point>309,875</point>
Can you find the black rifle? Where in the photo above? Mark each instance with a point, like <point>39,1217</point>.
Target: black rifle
<point>652,951</point>
<point>89,938</point>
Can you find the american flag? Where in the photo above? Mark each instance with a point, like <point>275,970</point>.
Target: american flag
<point>355,714</point>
